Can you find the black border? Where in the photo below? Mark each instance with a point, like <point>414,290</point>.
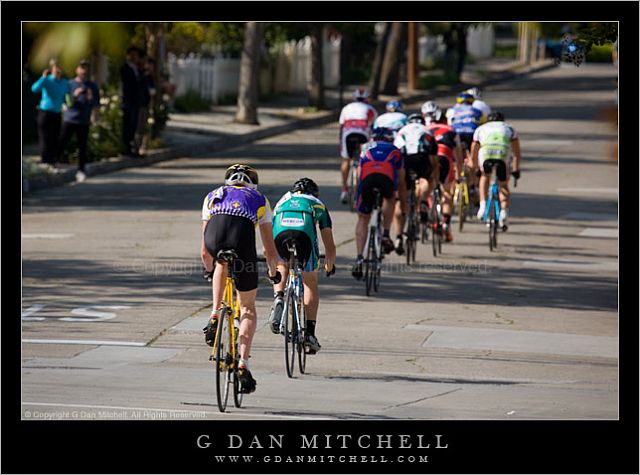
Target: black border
<point>474,446</point>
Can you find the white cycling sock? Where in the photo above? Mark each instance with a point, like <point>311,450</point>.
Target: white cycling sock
<point>243,363</point>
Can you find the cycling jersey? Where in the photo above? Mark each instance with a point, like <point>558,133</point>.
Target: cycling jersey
<point>297,213</point>
<point>355,118</point>
<point>381,158</point>
<point>464,118</point>
<point>446,138</point>
<point>415,138</point>
<point>482,107</point>
<point>391,120</point>
<point>495,140</point>
<point>237,201</point>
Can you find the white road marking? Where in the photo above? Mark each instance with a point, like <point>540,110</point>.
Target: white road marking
<point>600,232</point>
<point>591,191</point>
<point>88,315</point>
<point>27,314</point>
<point>182,411</point>
<point>83,342</point>
<point>46,236</point>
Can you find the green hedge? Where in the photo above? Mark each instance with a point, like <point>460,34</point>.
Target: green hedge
<point>191,101</point>
<point>600,54</point>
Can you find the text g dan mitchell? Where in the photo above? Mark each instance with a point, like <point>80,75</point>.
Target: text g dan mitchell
<point>326,441</point>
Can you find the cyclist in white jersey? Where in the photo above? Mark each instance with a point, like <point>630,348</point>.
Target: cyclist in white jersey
<point>479,104</point>
<point>393,119</point>
<point>491,145</point>
<point>356,119</point>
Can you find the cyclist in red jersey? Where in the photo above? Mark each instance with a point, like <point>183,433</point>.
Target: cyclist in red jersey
<point>450,159</point>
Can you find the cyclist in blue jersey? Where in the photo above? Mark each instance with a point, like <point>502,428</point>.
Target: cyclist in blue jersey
<point>230,215</point>
<point>464,118</point>
<point>381,166</point>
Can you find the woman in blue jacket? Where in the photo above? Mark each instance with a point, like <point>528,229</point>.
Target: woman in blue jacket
<point>53,88</point>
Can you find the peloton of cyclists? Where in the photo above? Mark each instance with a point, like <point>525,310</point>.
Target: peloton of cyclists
<point>381,166</point>
<point>295,218</point>
<point>491,146</point>
<point>356,119</point>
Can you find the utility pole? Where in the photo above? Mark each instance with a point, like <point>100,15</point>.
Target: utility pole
<point>412,56</point>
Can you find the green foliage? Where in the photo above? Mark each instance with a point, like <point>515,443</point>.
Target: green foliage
<point>600,54</point>
<point>356,75</point>
<point>191,101</point>
<point>185,37</point>
<point>505,51</point>
<point>278,33</point>
<point>72,41</point>
<point>229,37</point>
<point>158,117</point>
<point>596,34</point>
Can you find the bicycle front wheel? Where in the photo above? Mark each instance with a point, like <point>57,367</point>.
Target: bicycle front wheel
<point>353,183</point>
<point>223,359</point>
<point>290,335</point>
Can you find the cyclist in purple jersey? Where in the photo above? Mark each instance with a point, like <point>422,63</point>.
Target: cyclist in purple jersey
<point>230,215</point>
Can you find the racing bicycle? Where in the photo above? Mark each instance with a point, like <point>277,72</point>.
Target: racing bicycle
<point>225,354</point>
<point>492,211</point>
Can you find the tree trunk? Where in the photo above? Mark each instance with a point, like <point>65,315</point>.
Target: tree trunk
<point>390,74</point>
<point>461,44</point>
<point>316,85</point>
<point>247,111</point>
<point>376,68</point>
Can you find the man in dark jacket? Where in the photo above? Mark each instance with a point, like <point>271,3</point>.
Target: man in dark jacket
<point>84,95</point>
<point>129,74</point>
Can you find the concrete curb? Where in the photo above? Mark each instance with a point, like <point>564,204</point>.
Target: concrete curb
<point>156,156</point>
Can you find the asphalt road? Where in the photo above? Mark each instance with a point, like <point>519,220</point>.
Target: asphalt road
<point>113,302</point>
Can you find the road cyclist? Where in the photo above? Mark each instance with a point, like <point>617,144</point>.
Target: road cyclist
<point>295,218</point>
<point>230,215</point>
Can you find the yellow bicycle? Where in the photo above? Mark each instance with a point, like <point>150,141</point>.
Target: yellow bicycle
<point>225,354</point>
<point>461,201</point>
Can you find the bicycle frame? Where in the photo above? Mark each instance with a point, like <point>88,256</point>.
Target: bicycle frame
<point>229,296</point>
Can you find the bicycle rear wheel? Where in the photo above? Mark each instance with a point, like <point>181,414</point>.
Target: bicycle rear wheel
<point>237,395</point>
<point>222,359</point>
<point>290,335</point>
<point>370,262</point>
<point>493,238</point>
<point>435,234</point>
<point>462,209</point>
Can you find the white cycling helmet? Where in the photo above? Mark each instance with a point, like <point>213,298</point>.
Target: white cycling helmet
<point>361,94</point>
<point>475,92</point>
<point>239,174</point>
<point>429,107</point>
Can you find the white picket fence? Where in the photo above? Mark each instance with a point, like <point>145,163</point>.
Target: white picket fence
<point>290,72</point>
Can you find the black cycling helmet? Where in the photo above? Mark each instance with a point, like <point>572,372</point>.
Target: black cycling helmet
<point>241,174</point>
<point>307,186</point>
<point>382,134</point>
<point>495,116</point>
<point>415,118</point>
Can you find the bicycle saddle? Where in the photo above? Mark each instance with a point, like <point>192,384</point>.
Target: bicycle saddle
<point>226,255</point>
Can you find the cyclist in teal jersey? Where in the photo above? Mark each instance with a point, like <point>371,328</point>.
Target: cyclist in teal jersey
<point>295,217</point>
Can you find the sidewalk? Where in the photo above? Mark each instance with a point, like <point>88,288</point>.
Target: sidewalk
<point>192,134</point>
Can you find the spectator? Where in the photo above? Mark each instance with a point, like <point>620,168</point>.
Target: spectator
<point>129,74</point>
<point>84,95</point>
<point>54,88</point>
<point>147,92</point>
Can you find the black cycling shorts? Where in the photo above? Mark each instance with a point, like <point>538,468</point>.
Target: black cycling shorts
<point>465,140</point>
<point>501,170</point>
<point>445,168</point>
<point>225,232</point>
<point>420,163</point>
<point>302,241</point>
<point>354,141</point>
<point>366,196</point>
